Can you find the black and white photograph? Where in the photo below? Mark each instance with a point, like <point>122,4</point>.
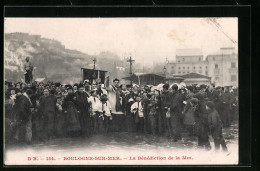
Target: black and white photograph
<point>121,91</point>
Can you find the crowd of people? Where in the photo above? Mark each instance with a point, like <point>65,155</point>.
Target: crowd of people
<point>43,111</point>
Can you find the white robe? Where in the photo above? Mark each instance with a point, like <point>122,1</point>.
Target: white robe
<point>134,108</point>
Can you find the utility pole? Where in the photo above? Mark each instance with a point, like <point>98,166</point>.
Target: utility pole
<point>94,60</point>
<point>131,62</point>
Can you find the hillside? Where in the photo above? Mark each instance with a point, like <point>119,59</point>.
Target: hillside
<point>52,60</point>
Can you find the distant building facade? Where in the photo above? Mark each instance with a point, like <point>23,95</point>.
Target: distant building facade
<point>188,61</point>
<point>221,66</point>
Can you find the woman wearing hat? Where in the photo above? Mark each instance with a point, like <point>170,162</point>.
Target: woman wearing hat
<point>188,113</point>
<point>154,110</point>
<point>71,112</point>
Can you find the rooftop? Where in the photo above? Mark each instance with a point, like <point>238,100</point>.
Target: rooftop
<point>224,51</point>
<point>145,74</point>
<point>189,52</point>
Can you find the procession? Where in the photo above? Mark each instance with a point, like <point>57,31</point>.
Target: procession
<point>39,112</point>
<point>142,91</point>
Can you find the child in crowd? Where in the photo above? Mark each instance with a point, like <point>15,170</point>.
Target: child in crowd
<point>96,111</point>
<point>106,108</point>
<point>215,126</point>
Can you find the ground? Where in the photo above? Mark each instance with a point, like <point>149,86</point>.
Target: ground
<point>127,145</point>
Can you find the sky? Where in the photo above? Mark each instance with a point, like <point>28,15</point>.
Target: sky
<point>147,40</point>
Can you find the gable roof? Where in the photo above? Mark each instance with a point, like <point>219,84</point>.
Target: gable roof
<point>144,74</point>
<point>195,75</point>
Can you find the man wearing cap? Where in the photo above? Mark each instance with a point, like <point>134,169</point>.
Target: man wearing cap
<point>226,107</point>
<point>166,103</point>
<point>127,101</point>
<point>215,126</point>
<point>75,88</point>
<point>201,117</point>
<point>83,107</point>
<point>115,89</point>
<point>175,110</point>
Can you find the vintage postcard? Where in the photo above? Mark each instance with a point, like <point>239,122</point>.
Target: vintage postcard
<point>121,91</point>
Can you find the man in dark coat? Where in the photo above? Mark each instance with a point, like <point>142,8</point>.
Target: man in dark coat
<point>226,107</point>
<point>175,110</point>
<point>83,107</point>
<point>28,67</point>
<point>163,127</point>
<point>215,126</point>
<point>48,109</point>
<point>127,101</point>
<point>116,89</point>
<point>24,117</point>
<point>212,94</point>
<point>201,118</point>
<point>70,108</point>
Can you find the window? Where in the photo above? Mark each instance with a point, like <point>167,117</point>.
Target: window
<point>182,59</point>
<point>179,67</point>
<point>200,67</point>
<point>188,72</point>
<point>199,59</point>
<point>233,78</point>
<point>200,72</point>
<point>172,67</point>
<point>233,65</point>
<point>178,61</point>
<point>194,67</point>
<point>206,67</point>
<point>183,67</point>
<point>183,72</point>
<point>216,78</point>
<point>188,67</point>
<point>213,58</point>
<point>206,73</point>
<point>216,66</point>
<point>179,72</point>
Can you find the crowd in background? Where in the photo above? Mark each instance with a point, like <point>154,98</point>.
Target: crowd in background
<point>43,111</point>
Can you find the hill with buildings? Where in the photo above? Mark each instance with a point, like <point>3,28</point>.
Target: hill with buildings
<point>52,60</point>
